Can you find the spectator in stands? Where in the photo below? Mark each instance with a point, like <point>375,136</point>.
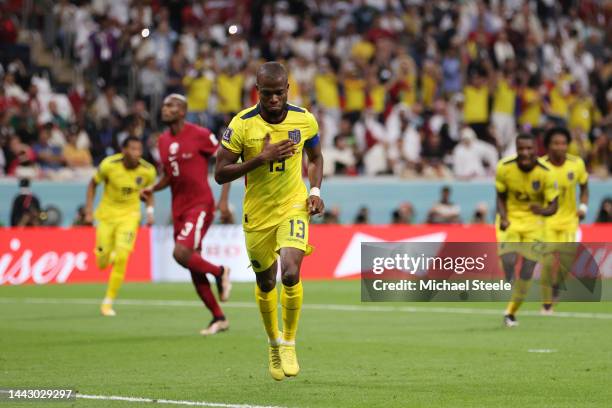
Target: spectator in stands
<point>473,158</point>
<point>332,215</point>
<point>363,216</point>
<point>433,153</point>
<point>476,105</point>
<point>77,159</point>
<point>444,212</point>
<point>48,156</point>
<point>404,214</point>
<point>25,211</point>
<point>109,104</point>
<point>21,158</point>
<point>605,211</point>
<point>340,158</point>
<point>504,106</point>
<point>79,218</point>
<point>481,213</point>
<point>199,84</point>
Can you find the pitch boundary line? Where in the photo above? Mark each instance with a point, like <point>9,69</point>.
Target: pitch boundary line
<point>169,402</point>
<point>315,306</point>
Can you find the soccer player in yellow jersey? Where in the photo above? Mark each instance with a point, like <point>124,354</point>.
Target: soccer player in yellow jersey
<point>569,171</point>
<point>124,175</point>
<point>526,193</point>
<point>270,138</point>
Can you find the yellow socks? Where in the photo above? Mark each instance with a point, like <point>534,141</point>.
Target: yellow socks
<point>117,274</point>
<point>521,287</point>
<point>291,301</point>
<point>267,303</point>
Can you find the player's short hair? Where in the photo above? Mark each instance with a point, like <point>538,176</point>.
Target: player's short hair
<point>525,136</point>
<point>559,130</point>
<point>179,97</point>
<point>129,139</point>
<point>272,70</point>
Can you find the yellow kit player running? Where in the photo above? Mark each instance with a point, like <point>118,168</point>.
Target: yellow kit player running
<point>270,138</point>
<point>526,193</point>
<point>124,175</point>
<point>569,171</point>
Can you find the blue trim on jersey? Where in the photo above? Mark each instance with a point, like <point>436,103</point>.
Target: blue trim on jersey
<point>251,114</point>
<point>295,109</point>
<point>312,142</point>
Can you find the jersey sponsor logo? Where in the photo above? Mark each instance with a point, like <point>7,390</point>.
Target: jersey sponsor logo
<point>187,155</point>
<point>139,180</point>
<point>570,175</point>
<point>173,148</point>
<point>536,185</point>
<point>295,136</point>
<point>227,135</point>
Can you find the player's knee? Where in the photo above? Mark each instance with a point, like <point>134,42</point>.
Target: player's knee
<point>527,269</point>
<point>181,255</point>
<point>290,273</point>
<point>265,281</point>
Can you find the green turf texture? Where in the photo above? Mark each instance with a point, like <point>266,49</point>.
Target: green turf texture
<point>348,358</point>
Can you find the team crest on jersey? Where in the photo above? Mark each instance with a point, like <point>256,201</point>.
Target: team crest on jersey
<point>295,136</point>
<point>570,175</point>
<point>227,135</point>
<point>138,180</point>
<point>536,185</point>
<point>173,148</point>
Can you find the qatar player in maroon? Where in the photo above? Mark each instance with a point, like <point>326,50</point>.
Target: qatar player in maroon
<point>184,151</point>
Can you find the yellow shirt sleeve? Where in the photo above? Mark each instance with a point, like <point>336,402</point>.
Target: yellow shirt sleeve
<point>152,176</point>
<point>233,137</point>
<point>551,190</point>
<point>500,179</point>
<point>102,172</point>
<point>583,175</point>
<point>312,126</point>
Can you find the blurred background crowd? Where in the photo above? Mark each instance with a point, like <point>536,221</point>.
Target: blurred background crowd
<point>409,88</point>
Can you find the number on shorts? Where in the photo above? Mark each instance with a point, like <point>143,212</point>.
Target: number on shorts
<point>175,168</point>
<point>187,229</point>
<point>301,226</point>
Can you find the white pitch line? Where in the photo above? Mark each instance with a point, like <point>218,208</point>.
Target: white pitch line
<point>312,306</point>
<point>541,351</point>
<point>170,402</point>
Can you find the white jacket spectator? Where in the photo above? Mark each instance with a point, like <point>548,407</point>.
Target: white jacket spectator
<point>471,155</point>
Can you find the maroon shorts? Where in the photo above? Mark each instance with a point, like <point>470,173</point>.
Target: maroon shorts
<point>191,226</point>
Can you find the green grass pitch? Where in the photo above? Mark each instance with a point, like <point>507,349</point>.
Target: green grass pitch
<point>366,355</point>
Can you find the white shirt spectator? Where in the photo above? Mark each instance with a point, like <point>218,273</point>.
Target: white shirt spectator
<point>470,156</point>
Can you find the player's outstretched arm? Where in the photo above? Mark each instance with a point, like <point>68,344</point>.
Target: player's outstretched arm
<point>227,169</point>
<point>315,177</point>
<point>147,193</point>
<point>91,194</point>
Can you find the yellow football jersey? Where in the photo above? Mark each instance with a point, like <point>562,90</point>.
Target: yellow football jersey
<point>122,187</point>
<point>567,176</point>
<point>274,189</point>
<point>523,189</point>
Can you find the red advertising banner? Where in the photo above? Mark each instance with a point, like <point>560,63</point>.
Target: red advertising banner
<point>62,255</point>
<point>337,251</point>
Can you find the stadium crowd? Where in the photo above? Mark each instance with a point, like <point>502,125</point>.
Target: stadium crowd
<point>410,88</point>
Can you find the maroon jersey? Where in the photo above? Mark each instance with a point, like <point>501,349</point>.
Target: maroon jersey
<point>184,158</point>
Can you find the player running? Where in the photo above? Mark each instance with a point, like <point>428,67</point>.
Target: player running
<point>184,151</point>
<point>561,227</point>
<point>124,175</point>
<point>526,193</point>
<point>270,138</point>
